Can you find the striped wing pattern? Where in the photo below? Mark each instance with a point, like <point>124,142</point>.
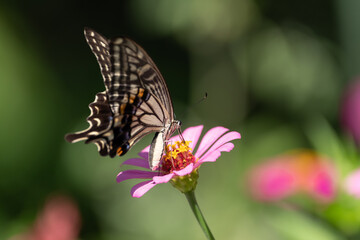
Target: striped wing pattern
<point>139,70</point>
<point>136,101</point>
<point>100,121</point>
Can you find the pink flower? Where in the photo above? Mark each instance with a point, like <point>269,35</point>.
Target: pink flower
<point>272,180</point>
<point>352,184</point>
<point>288,174</point>
<point>179,160</point>
<point>59,220</point>
<point>350,110</point>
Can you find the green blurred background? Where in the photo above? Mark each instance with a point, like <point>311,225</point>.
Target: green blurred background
<point>273,70</point>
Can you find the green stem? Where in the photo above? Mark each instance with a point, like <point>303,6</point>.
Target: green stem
<point>190,196</point>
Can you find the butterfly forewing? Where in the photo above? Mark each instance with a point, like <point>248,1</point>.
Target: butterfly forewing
<point>100,47</point>
<point>136,101</point>
<point>132,68</point>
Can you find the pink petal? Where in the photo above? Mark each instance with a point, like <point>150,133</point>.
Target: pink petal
<point>224,139</point>
<point>187,170</point>
<point>209,138</point>
<point>209,158</point>
<point>350,110</point>
<point>60,219</point>
<point>324,185</point>
<point>193,134</point>
<point>163,179</point>
<point>131,174</point>
<point>141,188</point>
<point>272,181</point>
<point>213,155</point>
<point>227,147</point>
<point>145,153</point>
<point>190,134</point>
<point>352,184</point>
<point>137,162</point>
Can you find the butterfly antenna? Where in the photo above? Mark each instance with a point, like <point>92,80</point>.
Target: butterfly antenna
<point>199,101</point>
<point>180,134</point>
<point>203,98</point>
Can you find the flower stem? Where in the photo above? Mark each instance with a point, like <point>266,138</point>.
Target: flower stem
<point>190,196</point>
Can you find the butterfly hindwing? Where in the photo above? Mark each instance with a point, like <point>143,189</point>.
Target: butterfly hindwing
<point>100,121</point>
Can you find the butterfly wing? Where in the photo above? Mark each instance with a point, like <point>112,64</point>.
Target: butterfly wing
<point>144,69</point>
<point>136,101</point>
<point>100,121</point>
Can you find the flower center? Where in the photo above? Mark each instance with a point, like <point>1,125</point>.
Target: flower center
<point>177,157</point>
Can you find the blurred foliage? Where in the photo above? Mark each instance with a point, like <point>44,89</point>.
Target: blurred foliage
<point>273,70</point>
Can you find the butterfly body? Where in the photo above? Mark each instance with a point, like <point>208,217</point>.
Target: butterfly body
<point>136,101</point>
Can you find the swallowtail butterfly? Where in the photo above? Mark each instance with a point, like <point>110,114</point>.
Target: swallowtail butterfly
<point>135,102</point>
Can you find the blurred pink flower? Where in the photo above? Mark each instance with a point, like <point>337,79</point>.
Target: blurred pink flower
<point>350,110</point>
<point>59,220</point>
<point>302,171</point>
<point>352,184</point>
<point>179,159</point>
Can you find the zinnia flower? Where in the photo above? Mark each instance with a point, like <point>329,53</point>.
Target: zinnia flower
<point>59,220</point>
<point>298,172</point>
<point>180,164</point>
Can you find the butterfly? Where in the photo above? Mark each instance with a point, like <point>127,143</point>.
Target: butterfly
<point>136,100</point>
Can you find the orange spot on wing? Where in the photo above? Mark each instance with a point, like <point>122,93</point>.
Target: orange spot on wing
<point>141,92</point>
<point>122,108</point>
<point>131,99</point>
<point>119,151</point>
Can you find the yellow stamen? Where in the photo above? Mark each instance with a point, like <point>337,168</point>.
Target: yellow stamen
<point>177,156</point>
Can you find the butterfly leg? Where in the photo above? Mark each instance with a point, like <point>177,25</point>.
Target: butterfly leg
<point>180,134</point>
